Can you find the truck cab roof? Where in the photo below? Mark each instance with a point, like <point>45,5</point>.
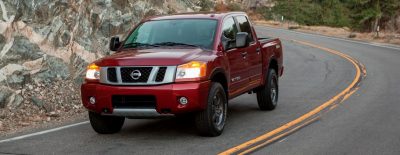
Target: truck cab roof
<point>201,15</point>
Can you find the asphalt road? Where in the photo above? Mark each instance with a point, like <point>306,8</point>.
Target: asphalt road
<point>366,123</point>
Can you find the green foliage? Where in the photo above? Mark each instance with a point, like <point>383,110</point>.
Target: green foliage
<point>357,14</point>
<point>234,7</point>
<point>206,5</point>
<point>334,13</point>
<point>265,12</point>
<point>367,14</point>
<point>301,11</point>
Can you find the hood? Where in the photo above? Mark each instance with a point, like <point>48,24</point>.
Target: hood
<point>151,57</point>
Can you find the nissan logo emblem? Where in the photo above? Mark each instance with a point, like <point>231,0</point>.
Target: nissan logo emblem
<point>135,74</point>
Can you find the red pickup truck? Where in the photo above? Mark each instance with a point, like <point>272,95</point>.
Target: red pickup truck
<point>182,64</point>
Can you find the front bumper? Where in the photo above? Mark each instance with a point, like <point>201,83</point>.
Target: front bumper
<point>167,98</point>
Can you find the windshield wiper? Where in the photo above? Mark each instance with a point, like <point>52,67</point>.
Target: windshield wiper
<point>135,44</point>
<point>176,44</point>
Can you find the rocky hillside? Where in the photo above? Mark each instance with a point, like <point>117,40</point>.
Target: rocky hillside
<point>46,46</point>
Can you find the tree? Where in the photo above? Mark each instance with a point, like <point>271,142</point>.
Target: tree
<point>364,15</point>
<point>368,14</point>
<point>302,11</point>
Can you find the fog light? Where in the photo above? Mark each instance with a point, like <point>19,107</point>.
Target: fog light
<point>183,100</point>
<point>92,100</point>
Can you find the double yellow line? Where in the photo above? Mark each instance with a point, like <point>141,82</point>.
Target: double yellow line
<point>269,137</point>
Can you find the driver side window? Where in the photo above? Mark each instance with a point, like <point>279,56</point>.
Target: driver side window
<point>229,30</point>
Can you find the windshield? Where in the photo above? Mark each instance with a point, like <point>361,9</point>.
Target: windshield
<point>177,32</point>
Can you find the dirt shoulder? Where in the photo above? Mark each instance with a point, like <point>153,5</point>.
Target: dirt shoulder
<point>384,37</point>
<point>38,126</point>
<point>41,106</point>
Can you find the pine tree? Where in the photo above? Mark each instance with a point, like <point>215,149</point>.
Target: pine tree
<point>364,15</point>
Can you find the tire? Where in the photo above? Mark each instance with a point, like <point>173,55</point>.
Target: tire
<point>267,95</point>
<point>105,124</point>
<point>211,121</point>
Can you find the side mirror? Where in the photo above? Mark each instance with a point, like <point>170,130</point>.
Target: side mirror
<point>241,39</point>
<point>114,43</point>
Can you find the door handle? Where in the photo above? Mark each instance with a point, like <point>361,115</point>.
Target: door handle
<point>244,54</point>
<point>258,50</point>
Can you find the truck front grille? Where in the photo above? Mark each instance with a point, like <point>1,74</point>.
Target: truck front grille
<point>134,101</point>
<point>137,75</point>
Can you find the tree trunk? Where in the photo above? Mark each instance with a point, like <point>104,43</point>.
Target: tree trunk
<point>375,26</point>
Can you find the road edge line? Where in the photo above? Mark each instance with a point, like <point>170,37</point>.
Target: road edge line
<point>284,134</point>
<point>42,132</point>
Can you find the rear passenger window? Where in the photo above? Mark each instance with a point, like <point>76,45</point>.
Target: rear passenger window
<point>244,25</point>
<point>229,29</point>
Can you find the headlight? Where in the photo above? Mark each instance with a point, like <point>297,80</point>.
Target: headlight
<point>191,70</point>
<point>93,72</point>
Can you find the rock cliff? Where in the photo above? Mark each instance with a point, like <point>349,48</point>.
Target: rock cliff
<point>45,47</point>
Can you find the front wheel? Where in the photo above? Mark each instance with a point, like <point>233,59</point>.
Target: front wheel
<point>267,95</point>
<point>106,124</point>
<point>211,121</point>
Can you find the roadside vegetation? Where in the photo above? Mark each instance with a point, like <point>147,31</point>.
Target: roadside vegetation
<point>370,20</point>
<point>360,15</point>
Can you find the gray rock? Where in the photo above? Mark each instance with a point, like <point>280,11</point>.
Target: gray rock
<point>65,38</point>
<point>25,49</point>
<point>38,102</point>
<point>10,69</point>
<point>43,30</point>
<point>53,114</point>
<point>352,35</point>
<point>17,101</point>
<point>2,41</point>
<point>14,101</point>
<point>16,79</point>
<point>53,67</point>
<point>4,94</point>
<point>49,106</point>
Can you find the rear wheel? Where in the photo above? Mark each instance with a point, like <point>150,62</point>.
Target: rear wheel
<point>106,124</point>
<point>211,121</point>
<point>267,95</point>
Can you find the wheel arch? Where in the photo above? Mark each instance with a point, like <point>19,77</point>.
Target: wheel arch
<point>273,63</point>
<point>219,75</point>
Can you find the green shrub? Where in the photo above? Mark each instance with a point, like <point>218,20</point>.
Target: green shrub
<point>206,5</point>
<point>265,12</point>
<point>234,7</point>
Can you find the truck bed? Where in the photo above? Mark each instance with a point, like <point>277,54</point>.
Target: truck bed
<point>266,39</point>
